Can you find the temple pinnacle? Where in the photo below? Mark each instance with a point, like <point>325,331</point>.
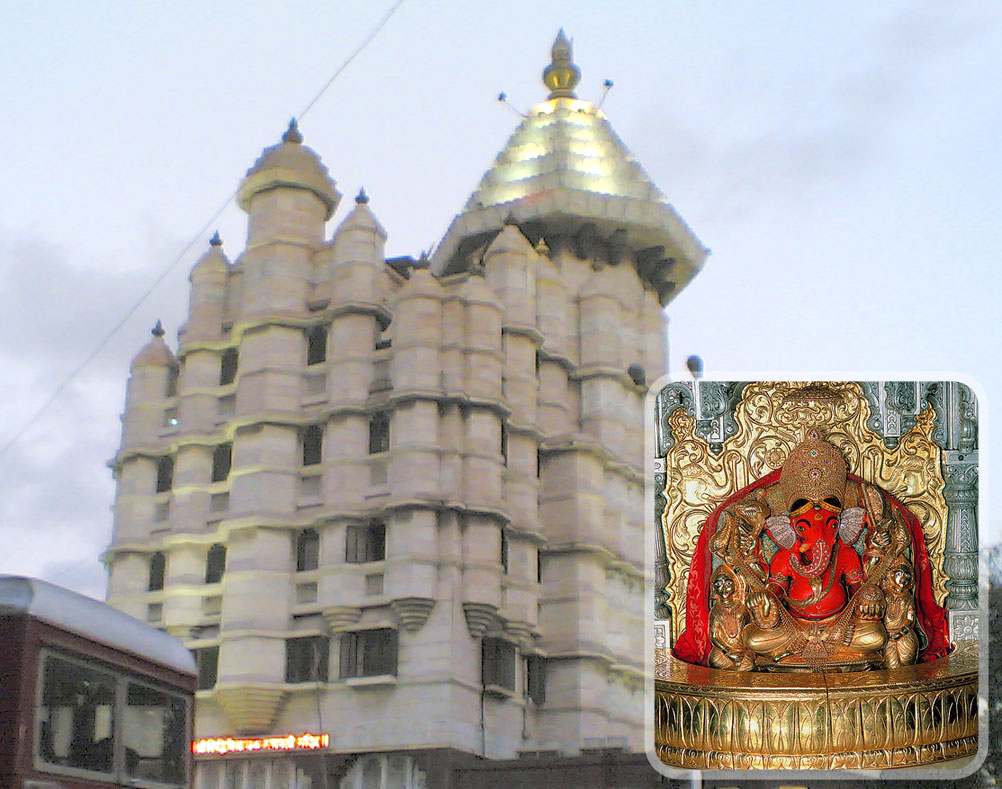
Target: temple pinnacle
<point>361,198</point>
<point>292,134</point>
<point>158,330</point>
<point>561,76</point>
<point>216,241</point>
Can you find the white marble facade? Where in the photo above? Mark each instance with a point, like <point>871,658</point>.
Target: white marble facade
<point>411,465</point>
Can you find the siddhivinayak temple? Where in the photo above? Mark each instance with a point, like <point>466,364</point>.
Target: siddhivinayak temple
<point>395,506</point>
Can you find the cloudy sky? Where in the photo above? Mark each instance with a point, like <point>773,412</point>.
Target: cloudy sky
<point>841,160</point>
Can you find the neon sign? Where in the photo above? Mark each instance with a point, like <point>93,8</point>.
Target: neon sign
<point>288,742</point>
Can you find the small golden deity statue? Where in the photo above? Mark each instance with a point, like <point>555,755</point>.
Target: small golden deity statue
<point>900,618</point>
<point>727,620</point>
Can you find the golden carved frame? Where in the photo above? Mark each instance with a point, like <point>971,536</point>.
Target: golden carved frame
<point>772,418</point>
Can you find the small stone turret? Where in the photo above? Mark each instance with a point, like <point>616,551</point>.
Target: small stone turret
<point>357,294</point>
<point>290,165</point>
<point>154,369</point>
<point>289,197</point>
<point>207,301</point>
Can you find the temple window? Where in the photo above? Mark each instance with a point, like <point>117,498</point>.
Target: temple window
<point>379,433</point>
<point>158,567</point>
<point>366,543</point>
<point>313,441</point>
<point>215,564</point>
<point>165,473</point>
<point>222,459</point>
<point>369,653</point>
<point>172,376</point>
<point>498,664</point>
<point>535,679</point>
<point>307,550</point>
<point>228,366</point>
<point>307,659</point>
<point>207,663</point>
<point>316,345</point>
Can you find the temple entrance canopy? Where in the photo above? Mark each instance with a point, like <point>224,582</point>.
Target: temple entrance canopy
<point>801,584</point>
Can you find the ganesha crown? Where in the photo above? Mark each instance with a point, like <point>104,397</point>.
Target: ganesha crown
<point>814,471</point>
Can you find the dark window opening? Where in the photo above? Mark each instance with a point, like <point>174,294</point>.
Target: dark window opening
<point>306,659</point>
<point>228,366</point>
<point>504,443</point>
<point>165,473</point>
<point>498,663</point>
<point>316,345</point>
<point>215,564</point>
<point>172,376</point>
<point>366,543</point>
<point>535,679</point>
<point>539,464</point>
<point>77,716</point>
<point>313,445</point>
<point>158,567</point>
<point>539,566</point>
<point>379,433</point>
<point>207,663</point>
<point>369,653</point>
<point>307,550</point>
<point>222,459</point>
<point>504,553</point>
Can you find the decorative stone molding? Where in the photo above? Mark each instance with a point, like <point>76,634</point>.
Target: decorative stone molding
<point>183,633</point>
<point>964,625</point>
<point>340,617</point>
<point>522,632</point>
<point>480,617</point>
<point>251,709</point>
<point>412,612</point>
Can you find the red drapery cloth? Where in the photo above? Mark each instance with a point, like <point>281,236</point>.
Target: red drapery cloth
<point>693,645</point>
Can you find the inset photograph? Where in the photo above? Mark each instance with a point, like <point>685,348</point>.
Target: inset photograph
<point>816,585</point>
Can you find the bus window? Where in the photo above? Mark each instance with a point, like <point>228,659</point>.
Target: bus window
<point>77,716</point>
<point>155,726</point>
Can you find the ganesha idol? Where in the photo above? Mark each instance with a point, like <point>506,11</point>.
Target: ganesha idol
<point>811,569</point>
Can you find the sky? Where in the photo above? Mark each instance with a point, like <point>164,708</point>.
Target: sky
<point>840,160</point>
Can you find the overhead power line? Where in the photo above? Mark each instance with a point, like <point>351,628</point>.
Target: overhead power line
<point>187,248</point>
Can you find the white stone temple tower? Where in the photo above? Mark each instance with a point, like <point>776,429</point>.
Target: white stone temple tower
<point>400,501</point>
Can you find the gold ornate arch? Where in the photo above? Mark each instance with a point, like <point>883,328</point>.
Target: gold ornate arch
<point>772,418</point>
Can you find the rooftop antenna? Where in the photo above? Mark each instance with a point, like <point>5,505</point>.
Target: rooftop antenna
<point>503,98</point>
<point>608,86</point>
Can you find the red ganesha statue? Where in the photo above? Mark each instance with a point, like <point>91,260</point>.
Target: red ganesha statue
<point>811,568</point>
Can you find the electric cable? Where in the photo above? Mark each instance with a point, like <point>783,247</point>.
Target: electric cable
<point>187,248</point>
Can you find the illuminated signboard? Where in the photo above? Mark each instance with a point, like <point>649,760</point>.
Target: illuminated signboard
<point>288,742</point>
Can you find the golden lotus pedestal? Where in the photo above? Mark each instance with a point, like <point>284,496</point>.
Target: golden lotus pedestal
<point>709,719</point>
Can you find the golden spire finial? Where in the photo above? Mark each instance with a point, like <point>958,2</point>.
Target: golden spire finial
<point>561,76</point>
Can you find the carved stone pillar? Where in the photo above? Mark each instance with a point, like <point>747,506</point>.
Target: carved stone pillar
<point>661,574</point>
<point>957,432</point>
<point>961,564</point>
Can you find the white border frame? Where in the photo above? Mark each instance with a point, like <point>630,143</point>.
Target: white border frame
<point>930,772</point>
